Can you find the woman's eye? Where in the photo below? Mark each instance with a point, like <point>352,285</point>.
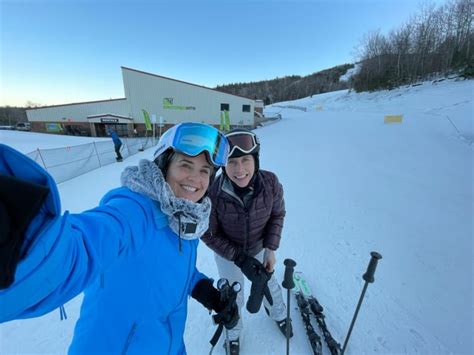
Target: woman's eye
<point>205,171</point>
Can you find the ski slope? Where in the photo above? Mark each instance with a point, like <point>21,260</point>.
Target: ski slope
<point>353,184</point>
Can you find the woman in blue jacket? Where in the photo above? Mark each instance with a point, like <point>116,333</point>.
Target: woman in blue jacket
<point>133,256</point>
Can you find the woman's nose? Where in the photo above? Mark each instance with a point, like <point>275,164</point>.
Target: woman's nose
<point>193,174</point>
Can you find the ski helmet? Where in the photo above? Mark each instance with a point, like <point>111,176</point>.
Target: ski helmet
<point>244,142</point>
<point>192,139</point>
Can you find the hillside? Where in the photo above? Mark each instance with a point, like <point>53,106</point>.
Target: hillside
<point>291,87</point>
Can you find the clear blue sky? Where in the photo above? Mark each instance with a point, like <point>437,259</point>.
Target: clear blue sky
<point>61,51</point>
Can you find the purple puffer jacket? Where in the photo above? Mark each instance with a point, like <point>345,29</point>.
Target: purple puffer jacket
<point>235,227</point>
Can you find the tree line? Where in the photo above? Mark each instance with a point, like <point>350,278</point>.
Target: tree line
<point>291,87</point>
<point>11,115</point>
<point>436,41</point>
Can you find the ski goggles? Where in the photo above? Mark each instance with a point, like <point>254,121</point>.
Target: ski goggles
<point>193,139</point>
<point>246,142</point>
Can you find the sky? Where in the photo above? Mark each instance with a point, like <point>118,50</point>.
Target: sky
<point>359,185</point>
<point>59,51</point>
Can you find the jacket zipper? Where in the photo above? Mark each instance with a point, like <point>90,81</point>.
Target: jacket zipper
<point>247,228</point>
<point>186,289</point>
<point>247,216</point>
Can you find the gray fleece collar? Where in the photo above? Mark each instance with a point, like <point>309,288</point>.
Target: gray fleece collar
<point>187,219</point>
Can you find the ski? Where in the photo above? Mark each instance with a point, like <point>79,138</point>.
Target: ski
<point>304,307</point>
<point>312,303</point>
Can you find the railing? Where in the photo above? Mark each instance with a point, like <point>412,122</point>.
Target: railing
<point>301,108</point>
<point>266,120</point>
<point>68,162</point>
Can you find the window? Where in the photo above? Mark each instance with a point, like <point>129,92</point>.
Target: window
<point>225,107</point>
<point>245,108</point>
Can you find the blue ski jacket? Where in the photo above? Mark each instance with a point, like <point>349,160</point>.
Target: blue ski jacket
<point>115,138</point>
<point>121,254</point>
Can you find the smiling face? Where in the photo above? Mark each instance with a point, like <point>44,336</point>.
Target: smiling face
<point>240,170</point>
<point>188,176</point>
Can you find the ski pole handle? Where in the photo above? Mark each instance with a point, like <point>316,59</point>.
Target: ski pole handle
<point>369,278</point>
<point>288,282</point>
<point>369,274</point>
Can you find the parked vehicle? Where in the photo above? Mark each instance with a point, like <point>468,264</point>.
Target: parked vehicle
<point>23,126</point>
<point>7,127</point>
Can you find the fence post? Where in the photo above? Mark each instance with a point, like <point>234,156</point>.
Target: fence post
<point>128,149</point>
<point>42,160</point>
<point>97,153</point>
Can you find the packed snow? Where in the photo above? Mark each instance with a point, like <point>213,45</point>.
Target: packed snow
<point>27,142</point>
<point>353,184</point>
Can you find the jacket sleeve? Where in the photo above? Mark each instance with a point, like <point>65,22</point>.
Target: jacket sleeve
<point>274,227</point>
<point>65,253</point>
<point>214,237</point>
<point>197,276</point>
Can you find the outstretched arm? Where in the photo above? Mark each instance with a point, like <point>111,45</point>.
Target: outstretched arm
<point>61,255</point>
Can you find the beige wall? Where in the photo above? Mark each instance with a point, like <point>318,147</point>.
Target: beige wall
<point>78,112</point>
<point>147,91</point>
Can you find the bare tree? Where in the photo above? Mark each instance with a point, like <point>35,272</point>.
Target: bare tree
<point>434,41</point>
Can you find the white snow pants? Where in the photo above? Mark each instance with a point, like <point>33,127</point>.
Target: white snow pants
<point>228,270</point>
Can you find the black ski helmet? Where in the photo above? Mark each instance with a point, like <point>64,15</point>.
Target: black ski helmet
<point>244,142</point>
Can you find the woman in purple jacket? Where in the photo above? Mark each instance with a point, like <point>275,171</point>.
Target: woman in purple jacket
<point>245,226</point>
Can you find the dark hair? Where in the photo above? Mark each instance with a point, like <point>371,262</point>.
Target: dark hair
<point>163,161</point>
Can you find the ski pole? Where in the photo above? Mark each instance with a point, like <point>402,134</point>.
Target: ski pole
<point>224,287</point>
<point>228,294</point>
<point>288,283</point>
<point>369,278</point>
<point>227,343</point>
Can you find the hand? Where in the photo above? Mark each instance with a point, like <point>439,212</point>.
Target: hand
<point>227,312</point>
<point>229,315</point>
<point>269,259</point>
<point>21,200</point>
<point>4,223</point>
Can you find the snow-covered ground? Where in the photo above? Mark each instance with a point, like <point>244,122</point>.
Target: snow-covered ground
<point>353,184</point>
<point>26,142</point>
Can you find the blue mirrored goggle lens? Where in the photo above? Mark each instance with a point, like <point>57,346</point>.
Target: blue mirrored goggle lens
<point>195,139</point>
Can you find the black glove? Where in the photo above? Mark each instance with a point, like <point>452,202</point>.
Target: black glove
<point>226,308</point>
<point>20,201</point>
<point>259,289</point>
<point>250,266</point>
<point>259,276</point>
